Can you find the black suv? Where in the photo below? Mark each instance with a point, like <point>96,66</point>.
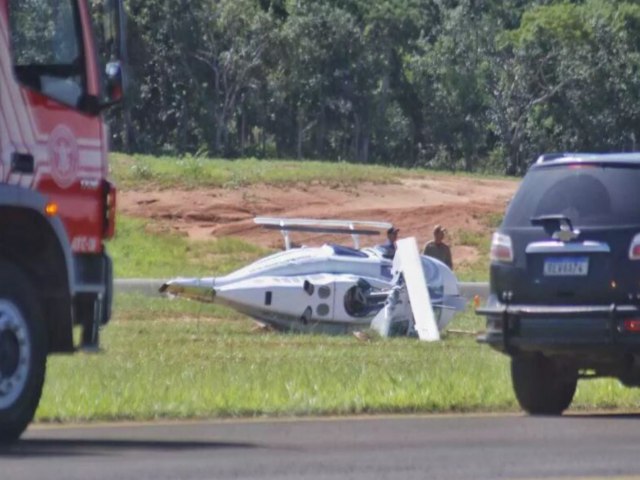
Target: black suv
<point>565,278</point>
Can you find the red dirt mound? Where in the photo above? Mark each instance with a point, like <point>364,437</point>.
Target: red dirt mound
<point>413,205</point>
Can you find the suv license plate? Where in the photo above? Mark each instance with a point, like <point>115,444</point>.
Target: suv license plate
<point>567,266</point>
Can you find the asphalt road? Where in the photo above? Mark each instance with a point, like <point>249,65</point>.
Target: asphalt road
<point>447,447</point>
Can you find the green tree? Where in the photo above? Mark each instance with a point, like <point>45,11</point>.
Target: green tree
<point>559,79</point>
<point>236,36</point>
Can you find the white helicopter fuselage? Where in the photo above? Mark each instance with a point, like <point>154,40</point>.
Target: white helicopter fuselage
<point>328,289</point>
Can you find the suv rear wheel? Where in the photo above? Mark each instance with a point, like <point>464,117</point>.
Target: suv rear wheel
<point>542,386</point>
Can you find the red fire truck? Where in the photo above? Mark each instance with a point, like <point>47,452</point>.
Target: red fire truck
<point>59,69</point>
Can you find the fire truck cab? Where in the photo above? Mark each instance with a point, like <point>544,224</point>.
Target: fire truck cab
<point>60,67</point>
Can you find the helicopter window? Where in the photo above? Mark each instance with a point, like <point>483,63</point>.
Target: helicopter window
<point>347,251</point>
<point>324,292</point>
<point>385,271</point>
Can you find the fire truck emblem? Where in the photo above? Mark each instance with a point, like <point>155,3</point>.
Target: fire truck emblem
<point>64,156</point>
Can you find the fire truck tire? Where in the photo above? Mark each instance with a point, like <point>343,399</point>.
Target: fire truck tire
<point>23,351</point>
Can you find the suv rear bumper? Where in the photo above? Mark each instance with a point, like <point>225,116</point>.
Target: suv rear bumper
<point>580,330</point>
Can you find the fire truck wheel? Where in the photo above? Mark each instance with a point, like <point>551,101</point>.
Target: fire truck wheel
<point>23,352</point>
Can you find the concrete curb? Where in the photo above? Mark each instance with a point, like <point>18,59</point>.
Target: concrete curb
<point>149,287</point>
<point>471,289</point>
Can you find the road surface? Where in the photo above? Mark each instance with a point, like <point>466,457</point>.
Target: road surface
<point>365,448</point>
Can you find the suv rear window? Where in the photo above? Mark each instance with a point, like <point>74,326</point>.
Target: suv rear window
<point>589,195</point>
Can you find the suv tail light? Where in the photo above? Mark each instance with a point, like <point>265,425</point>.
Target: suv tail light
<point>501,248</point>
<point>634,248</point>
<point>109,192</point>
<point>632,325</point>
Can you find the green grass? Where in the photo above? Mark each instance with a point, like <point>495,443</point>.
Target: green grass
<point>145,171</point>
<point>139,251</point>
<point>142,171</point>
<point>179,359</point>
<point>176,359</point>
<point>478,270</point>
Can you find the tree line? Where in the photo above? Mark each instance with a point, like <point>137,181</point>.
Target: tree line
<point>475,85</point>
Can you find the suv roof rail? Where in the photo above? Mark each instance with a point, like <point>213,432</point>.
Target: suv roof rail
<point>547,157</point>
<point>617,157</point>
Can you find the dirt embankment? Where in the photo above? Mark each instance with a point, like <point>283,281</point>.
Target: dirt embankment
<point>413,205</point>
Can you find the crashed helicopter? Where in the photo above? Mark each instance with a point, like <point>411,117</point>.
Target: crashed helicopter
<point>336,289</point>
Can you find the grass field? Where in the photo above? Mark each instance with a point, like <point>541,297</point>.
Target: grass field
<point>178,359</point>
<point>140,252</point>
<point>478,270</point>
<point>142,171</point>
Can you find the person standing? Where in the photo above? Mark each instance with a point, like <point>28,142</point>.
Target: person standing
<point>390,245</point>
<point>436,248</point>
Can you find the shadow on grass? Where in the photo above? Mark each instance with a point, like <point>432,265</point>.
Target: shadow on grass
<point>94,447</point>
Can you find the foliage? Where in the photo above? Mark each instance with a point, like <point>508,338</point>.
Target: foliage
<point>472,85</point>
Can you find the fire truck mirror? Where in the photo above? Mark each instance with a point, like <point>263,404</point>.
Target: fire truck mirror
<point>115,86</point>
